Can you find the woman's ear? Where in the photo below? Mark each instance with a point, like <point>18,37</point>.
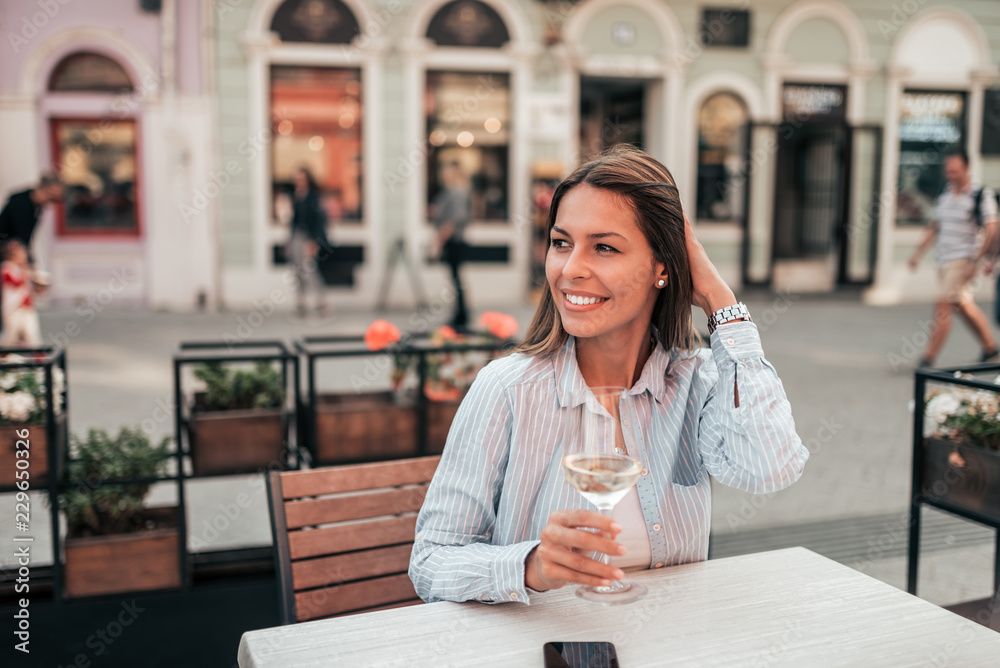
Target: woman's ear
<point>661,280</point>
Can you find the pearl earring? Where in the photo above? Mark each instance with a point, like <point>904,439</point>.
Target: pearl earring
<point>661,282</point>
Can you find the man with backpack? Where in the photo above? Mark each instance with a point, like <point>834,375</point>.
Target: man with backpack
<point>961,211</point>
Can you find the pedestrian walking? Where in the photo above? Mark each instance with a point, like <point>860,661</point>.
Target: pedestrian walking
<point>307,240</point>
<point>450,214</point>
<point>20,214</point>
<point>959,249</point>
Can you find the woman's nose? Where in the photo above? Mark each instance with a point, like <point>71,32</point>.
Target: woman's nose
<point>576,265</point>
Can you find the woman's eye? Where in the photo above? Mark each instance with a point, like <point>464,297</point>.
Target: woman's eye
<point>604,248</point>
<point>557,243</point>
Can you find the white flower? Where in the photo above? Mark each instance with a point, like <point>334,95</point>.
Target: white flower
<point>17,406</point>
<point>938,410</point>
<point>8,381</point>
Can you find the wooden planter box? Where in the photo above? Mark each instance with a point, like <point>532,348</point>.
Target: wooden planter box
<point>370,426</point>
<point>236,441</point>
<point>139,561</point>
<point>975,486</point>
<point>39,459</point>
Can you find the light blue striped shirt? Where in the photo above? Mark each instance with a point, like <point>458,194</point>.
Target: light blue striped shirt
<point>500,476</point>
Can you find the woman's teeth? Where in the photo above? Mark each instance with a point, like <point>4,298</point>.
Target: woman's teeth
<point>582,301</point>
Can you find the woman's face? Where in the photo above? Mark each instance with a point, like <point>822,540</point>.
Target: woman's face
<point>599,266</point>
<point>301,183</point>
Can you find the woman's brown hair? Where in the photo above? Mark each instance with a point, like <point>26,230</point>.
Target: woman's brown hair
<point>646,186</point>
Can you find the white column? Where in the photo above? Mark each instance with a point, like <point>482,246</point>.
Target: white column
<point>258,94</point>
<point>372,148</point>
<point>883,289</point>
<point>519,172</point>
<point>979,80</point>
<point>412,52</point>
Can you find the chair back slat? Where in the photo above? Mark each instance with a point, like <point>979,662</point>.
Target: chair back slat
<point>354,506</point>
<point>351,537</point>
<point>353,478</point>
<point>350,597</point>
<point>325,571</point>
<point>343,536</point>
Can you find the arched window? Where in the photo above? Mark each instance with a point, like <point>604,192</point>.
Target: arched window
<point>91,72</point>
<point>721,137</point>
<point>468,23</point>
<point>96,156</point>
<point>323,21</point>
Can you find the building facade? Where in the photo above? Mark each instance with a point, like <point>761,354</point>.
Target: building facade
<point>116,97</point>
<point>806,137</point>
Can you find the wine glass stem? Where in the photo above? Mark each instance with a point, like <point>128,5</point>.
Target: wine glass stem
<point>616,585</point>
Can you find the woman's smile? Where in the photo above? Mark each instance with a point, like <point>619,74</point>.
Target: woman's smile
<point>581,301</point>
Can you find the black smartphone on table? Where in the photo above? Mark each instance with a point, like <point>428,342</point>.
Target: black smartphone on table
<point>580,655</point>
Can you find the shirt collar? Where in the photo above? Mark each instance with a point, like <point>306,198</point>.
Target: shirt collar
<point>570,383</point>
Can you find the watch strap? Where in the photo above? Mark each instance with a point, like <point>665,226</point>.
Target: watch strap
<point>728,314</point>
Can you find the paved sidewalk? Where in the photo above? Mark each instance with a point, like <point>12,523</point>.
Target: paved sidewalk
<point>847,369</point>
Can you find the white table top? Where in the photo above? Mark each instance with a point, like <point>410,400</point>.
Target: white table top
<point>783,608</point>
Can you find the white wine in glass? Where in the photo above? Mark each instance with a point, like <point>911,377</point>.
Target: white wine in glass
<point>599,461</point>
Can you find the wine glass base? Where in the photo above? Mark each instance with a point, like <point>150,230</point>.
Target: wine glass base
<point>632,591</point>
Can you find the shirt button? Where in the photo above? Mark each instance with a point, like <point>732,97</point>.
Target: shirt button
<point>625,421</point>
<point>645,472</point>
<point>656,527</point>
<point>514,595</point>
<point>658,565</point>
<point>730,342</point>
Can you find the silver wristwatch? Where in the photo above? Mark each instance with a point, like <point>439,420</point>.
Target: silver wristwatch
<point>728,314</point>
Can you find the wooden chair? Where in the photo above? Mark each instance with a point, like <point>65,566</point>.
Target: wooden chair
<point>343,536</point>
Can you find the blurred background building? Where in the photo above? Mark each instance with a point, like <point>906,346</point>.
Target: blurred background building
<point>806,137</point>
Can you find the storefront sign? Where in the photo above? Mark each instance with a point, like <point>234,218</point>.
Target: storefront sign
<point>931,117</point>
<point>805,101</point>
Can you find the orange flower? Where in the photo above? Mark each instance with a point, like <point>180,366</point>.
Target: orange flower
<point>446,333</point>
<point>380,334</point>
<point>498,324</point>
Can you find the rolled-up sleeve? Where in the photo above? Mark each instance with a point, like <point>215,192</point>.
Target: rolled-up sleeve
<point>752,447</point>
<point>453,557</point>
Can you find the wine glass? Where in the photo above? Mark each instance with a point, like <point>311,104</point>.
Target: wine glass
<point>600,449</point>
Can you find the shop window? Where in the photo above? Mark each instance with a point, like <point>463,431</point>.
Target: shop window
<point>930,125</point>
<point>323,21</point>
<point>721,137</point>
<point>90,72</point>
<point>316,115</point>
<point>468,122</point>
<point>467,23</point>
<point>97,162</point>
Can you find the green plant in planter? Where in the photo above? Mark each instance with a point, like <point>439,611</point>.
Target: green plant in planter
<point>95,509</point>
<point>232,389</point>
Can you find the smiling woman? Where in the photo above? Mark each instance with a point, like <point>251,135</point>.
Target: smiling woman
<point>623,269</point>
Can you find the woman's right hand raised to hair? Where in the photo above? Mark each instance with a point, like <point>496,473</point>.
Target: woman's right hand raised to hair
<point>562,555</point>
